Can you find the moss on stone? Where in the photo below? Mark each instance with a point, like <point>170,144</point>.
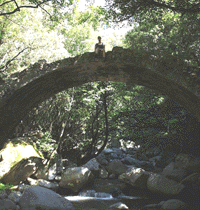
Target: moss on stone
<point>17,149</point>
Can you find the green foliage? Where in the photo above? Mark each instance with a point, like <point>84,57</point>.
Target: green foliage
<point>53,31</point>
<point>166,33</point>
<point>75,37</point>
<point>5,186</point>
<point>155,141</point>
<point>75,118</point>
<point>79,30</point>
<point>45,144</point>
<point>24,41</point>
<point>119,10</point>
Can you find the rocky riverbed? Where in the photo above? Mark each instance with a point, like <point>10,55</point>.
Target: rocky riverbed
<point>116,179</point>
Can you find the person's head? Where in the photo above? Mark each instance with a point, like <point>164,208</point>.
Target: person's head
<point>99,38</point>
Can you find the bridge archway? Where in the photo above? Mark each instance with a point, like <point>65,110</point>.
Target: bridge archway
<point>14,109</point>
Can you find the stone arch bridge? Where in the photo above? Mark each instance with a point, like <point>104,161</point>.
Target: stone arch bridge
<point>25,90</point>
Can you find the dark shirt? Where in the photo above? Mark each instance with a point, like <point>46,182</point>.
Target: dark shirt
<point>99,46</point>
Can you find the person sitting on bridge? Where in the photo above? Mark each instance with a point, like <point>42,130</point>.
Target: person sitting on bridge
<point>99,47</point>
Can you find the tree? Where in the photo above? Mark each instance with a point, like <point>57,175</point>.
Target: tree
<point>172,42</point>
<point>85,119</point>
<point>53,31</point>
<point>79,30</point>
<point>165,39</point>
<point>24,41</point>
<point>12,6</point>
<point>120,10</point>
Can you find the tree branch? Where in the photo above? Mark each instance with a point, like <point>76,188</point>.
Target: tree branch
<point>194,8</point>
<point>143,5</point>
<point>25,6</point>
<point>45,11</point>
<point>16,4</point>
<point>8,62</point>
<point>5,3</point>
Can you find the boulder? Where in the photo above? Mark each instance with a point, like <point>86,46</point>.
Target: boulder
<point>43,183</point>
<point>118,206</point>
<point>137,177</point>
<point>93,165</point>
<point>108,151</point>
<point>3,194</point>
<point>160,184</point>
<point>192,178</point>
<point>4,168</point>
<point>185,161</point>
<point>20,172</point>
<point>192,182</point>
<point>116,167</point>
<point>75,178</point>
<point>101,158</point>
<point>36,197</point>
<point>108,185</point>
<point>15,196</point>
<point>130,161</point>
<point>173,204</point>
<point>173,173</point>
<point>7,204</point>
<point>23,187</point>
<point>114,156</point>
<point>42,172</point>
<point>14,151</point>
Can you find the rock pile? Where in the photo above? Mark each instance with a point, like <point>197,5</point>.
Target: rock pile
<point>113,171</point>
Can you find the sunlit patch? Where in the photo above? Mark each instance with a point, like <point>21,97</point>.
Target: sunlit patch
<point>160,100</point>
<point>13,153</point>
<point>125,144</point>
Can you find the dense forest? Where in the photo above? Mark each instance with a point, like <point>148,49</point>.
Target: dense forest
<point>80,122</point>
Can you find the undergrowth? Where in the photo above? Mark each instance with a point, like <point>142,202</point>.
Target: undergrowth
<point>5,186</point>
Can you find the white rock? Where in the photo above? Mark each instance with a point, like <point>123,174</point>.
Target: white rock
<point>75,178</point>
<point>119,206</point>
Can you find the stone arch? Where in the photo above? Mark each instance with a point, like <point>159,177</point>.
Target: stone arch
<point>27,97</point>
